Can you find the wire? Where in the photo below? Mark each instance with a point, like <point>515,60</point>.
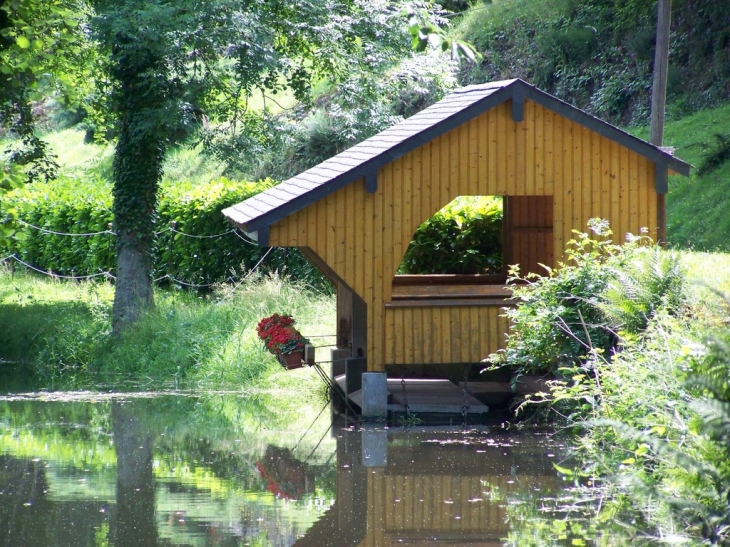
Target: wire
<point>214,236</point>
<point>245,239</point>
<point>184,283</point>
<point>50,274</point>
<point>110,232</point>
<point>45,231</point>
<point>250,273</point>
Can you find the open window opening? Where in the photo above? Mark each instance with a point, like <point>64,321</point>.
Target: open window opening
<point>466,249</point>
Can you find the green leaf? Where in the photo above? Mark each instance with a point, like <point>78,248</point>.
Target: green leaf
<point>22,42</point>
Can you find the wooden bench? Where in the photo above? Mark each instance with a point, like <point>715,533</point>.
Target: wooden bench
<point>450,290</point>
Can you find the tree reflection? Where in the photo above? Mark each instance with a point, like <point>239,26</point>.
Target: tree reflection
<point>134,525</point>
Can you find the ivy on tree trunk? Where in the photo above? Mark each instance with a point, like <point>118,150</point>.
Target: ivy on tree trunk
<point>141,95</point>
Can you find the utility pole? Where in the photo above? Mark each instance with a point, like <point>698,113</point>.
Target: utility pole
<point>659,100</point>
<point>661,66</point>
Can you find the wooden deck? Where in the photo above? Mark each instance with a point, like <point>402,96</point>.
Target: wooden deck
<point>425,396</point>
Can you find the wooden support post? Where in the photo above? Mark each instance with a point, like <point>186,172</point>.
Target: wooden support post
<point>309,355</point>
<point>374,447</point>
<point>344,317</point>
<point>658,103</point>
<point>374,395</point>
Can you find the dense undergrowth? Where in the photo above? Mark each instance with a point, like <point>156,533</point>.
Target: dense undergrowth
<point>638,344</point>
<point>59,332</point>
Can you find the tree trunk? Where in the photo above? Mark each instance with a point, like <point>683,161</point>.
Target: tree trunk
<point>133,293</point>
<point>135,522</point>
<point>135,204</point>
<point>141,101</point>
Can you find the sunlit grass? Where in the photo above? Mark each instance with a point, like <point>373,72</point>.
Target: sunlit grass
<point>77,158</point>
<point>697,205</point>
<point>61,332</point>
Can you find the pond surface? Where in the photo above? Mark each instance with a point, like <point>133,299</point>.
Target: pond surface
<point>226,470</point>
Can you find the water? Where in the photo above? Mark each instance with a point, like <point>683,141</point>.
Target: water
<point>222,470</point>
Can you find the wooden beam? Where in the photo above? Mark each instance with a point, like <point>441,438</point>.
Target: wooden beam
<point>661,178</point>
<point>344,317</point>
<point>371,182</point>
<point>518,104</point>
<point>451,302</point>
<point>354,329</point>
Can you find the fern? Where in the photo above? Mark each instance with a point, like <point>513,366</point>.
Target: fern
<point>651,281</point>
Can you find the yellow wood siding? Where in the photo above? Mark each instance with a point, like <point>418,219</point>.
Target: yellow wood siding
<point>413,509</point>
<point>442,334</point>
<point>363,236</point>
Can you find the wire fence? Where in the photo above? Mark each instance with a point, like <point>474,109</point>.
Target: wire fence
<point>14,258</point>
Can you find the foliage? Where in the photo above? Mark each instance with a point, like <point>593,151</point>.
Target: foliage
<point>175,66</point>
<point>43,50</point>
<point>462,238</point>
<point>588,308</point>
<point>59,332</point>
<point>598,54</point>
<point>651,281</point>
<point>654,414</point>
<point>279,335</point>
<point>195,245</point>
<point>659,426</point>
<point>717,156</point>
<point>362,104</point>
<point>556,322</point>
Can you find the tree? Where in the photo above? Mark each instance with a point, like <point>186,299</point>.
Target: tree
<point>175,65</point>
<point>43,50</point>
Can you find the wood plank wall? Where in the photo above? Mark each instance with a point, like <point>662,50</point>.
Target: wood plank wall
<point>412,509</point>
<point>443,334</point>
<point>528,233</point>
<point>363,236</point>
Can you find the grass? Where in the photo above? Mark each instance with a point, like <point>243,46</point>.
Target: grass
<point>78,159</point>
<point>697,205</point>
<point>59,331</point>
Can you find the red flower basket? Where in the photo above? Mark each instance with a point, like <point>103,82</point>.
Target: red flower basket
<point>282,339</point>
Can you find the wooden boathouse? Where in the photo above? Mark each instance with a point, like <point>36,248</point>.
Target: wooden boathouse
<point>355,214</point>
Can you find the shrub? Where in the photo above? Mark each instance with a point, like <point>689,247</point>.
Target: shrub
<point>195,244</point>
<point>583,308</point>
<point>462,238</point>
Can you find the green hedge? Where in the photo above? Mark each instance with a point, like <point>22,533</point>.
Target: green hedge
<point>195,244</point>
<point>465,237</point>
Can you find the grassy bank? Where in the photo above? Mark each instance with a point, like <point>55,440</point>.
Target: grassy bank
<point>60,333</point>
<point>696,205</point>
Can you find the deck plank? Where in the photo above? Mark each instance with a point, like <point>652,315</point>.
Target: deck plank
<point>424,396</point>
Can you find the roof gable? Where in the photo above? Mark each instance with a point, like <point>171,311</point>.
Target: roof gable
<point>366,157</point>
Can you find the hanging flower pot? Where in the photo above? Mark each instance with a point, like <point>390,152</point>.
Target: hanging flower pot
<point>291,360</point>
<point>283,340</point>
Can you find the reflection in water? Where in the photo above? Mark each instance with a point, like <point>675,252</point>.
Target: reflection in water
<point>429,487</point>
<point>135,522</point>
<point>216,471</point>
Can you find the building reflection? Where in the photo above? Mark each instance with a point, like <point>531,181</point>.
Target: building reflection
<point>428,488</point>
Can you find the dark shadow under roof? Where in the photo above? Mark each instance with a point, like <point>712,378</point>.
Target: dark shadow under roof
<point>366,157</point>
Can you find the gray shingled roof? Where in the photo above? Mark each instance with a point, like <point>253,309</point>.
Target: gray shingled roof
<point>363,159</point>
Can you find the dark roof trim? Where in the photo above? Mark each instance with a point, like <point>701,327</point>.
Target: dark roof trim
<point>518,104</point>
<point>385,158</point>
<point>607,130</point>
<point>517,90</point>
<point>661,177</point>
<point>371,182</point>
<point>262,236</point>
